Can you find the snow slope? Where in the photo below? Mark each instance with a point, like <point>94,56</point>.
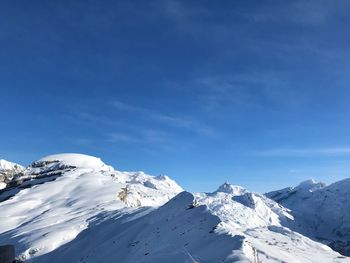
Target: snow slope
<point>6,165</point>
<point>321,212</point>
<point>75,208</point>
<point>263,224</point>
<point>172,233</point>
<point>45,216</point>
<point>217,229</point>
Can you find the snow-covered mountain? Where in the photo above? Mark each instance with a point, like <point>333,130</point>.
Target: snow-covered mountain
<point>75,208</point>
<point>8,171</point>
<point>63,191</point>
<point>321,212</point>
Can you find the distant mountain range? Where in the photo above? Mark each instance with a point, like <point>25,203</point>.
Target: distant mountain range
<point>74,208</point>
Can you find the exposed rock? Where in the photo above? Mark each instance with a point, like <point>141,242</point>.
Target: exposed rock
<point>8,171</point>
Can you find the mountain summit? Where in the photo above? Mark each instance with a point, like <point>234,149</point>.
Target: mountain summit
<point>75,208</point>
<point>320,211</point>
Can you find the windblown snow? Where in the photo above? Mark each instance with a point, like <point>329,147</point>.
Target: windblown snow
<point>75,208</point>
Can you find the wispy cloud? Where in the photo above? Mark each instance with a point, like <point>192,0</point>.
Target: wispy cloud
<point>123,137</point>
<point>249,91</point>
<point>146,137</point>
<point>88,118</point>
<point>127,107</point>
<point>305,152</point>
<point>118,131</point>
<point>183,122</point>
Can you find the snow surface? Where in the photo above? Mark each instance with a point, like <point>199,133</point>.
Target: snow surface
<point>321,212</point>
<point>2,185</point>
<point>77,160</point>
<point>74,208</point>
<point>41,218</point>
<point>218,229</point>
<point>7,172</point>
<point>6,165</point>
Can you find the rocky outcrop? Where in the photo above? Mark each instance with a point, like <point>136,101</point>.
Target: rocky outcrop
<point>8,171</point>
<point>37,173</point>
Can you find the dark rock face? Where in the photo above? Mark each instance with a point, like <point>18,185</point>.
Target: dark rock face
<point>7,175</point>
<point>7,254</point>
<point>40,169</point>
<point>37,173</point>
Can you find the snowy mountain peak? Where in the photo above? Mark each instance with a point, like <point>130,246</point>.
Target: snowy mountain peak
<point>58,164</point>
<point>231,189</point>
<point>55,197</point>
<point>319,211</point>
<point>75,208</point>
<point>6,165</point>
<point>290,193</point>
<point>74,160</point>
<point>310,185</point>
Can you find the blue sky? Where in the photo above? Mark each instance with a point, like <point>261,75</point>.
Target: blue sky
<point>251,92</point>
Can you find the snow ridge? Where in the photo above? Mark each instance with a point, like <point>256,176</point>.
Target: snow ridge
<point>320,211</point>
<point>75,208</point>
<point>76,187</point>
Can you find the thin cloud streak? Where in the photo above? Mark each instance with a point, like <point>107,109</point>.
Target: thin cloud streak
<point>147,137</point>
<point>122,137</point>
<point>249,91</point>
<point>305,152</point>
<point>185,123</point>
